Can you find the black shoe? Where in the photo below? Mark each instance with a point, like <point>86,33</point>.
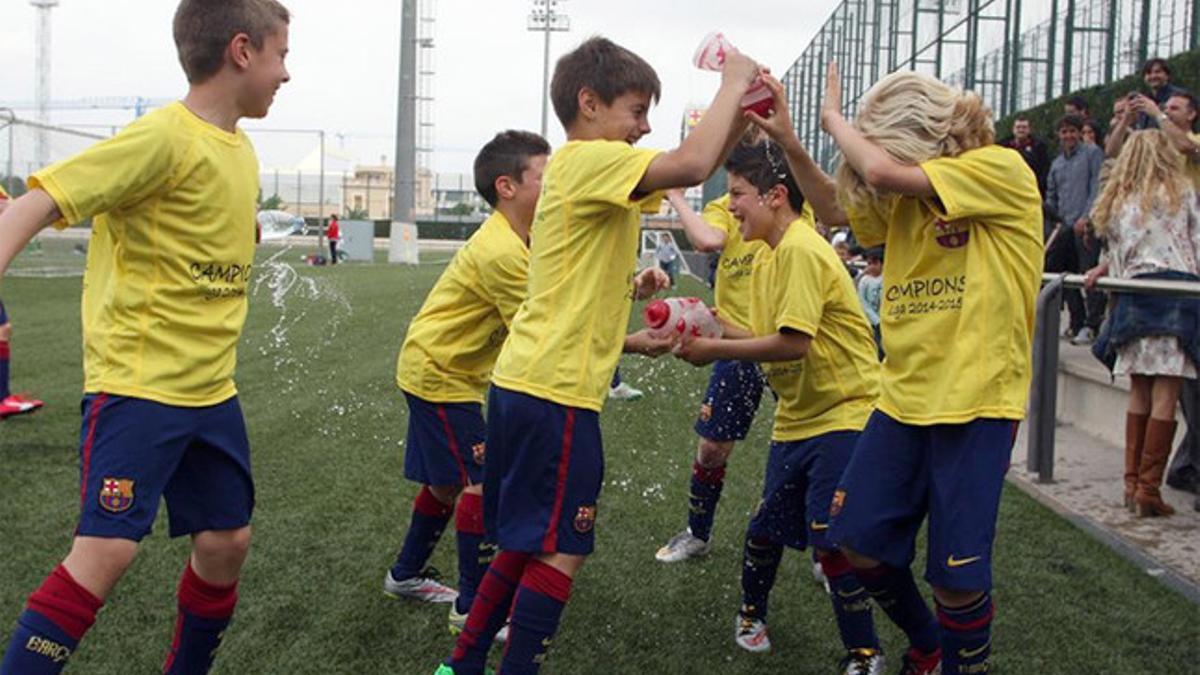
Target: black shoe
<point>1183,479</point>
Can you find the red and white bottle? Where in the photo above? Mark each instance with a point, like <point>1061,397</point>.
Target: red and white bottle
<point>710,55</point>
<point>688,317</point>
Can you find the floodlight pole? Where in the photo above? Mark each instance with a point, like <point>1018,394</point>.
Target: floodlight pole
<point>546,17</point>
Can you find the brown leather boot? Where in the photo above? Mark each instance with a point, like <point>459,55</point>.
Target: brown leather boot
<point>1155,451</point>
<point>1135,434</point>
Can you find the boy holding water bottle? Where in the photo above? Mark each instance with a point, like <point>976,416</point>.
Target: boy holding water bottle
<point>545,464</point>
<point>164,301</point>
<point>809,334</point>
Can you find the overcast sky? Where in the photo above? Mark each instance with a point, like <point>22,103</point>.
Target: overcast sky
<point>344,64</point>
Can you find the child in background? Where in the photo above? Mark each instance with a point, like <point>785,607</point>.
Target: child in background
<point>870,291</point>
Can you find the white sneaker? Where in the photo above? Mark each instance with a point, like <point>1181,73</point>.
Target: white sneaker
<point>624,392</point>
<point>862,662</point>
<point>424,587</point>
<point>1085,337</point>
<point>458,622</point>
<point>819,576</point>
<point>681,547</point>
<point>751,634</point>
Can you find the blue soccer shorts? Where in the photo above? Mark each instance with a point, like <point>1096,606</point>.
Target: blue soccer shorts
<point>954,473</point>
<point>544,470</point>
<point>134,452</point>
<point>3,314</point>
<point>734,391</point>
<point>445,444</point>
<point>798,489</point>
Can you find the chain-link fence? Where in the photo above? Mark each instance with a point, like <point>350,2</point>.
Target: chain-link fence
<point>1016,54</point>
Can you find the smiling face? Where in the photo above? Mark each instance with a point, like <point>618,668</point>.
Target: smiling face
<point>1068,137</point>
<point>625,119</point>
<point>1021,129</point>
<point>265,73</point>
<point>1155,77</point>
<point>750,207</point>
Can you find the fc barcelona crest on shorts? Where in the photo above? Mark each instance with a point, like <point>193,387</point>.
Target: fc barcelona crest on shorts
<point>705,412</point>
<point>116,494</point>
<point>585,519</point>
<point>839,500</point>
<point>478,452</point>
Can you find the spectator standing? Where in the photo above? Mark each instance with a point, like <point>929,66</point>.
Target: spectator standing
<point>1077,106</point>
<point>333,233</point>
<point>667,253</point>
<point>1033,150</point>
<point>870,292</point>
<point>1071,188</point>
<point>1149,214</point>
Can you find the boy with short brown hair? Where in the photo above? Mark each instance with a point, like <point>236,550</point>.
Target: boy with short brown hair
<point>164,302</point>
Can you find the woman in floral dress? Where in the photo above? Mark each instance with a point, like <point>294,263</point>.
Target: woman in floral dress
<point>1148,213</point>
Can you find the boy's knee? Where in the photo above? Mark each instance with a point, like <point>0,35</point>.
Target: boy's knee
<point>98,563</point>
<point>859,561</point>
<point>713,454</point>
<point>5,332</point>
<point>949,597</point>
<point>446,494</point>
<point>222,548</point>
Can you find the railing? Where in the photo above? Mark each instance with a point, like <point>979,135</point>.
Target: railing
<point>1043,395</point>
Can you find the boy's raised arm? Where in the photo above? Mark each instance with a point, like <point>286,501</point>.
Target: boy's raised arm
<point>699,154</point>
<point>24,217</point>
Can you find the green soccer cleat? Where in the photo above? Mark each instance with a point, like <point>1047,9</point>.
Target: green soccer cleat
<point>447,670</point>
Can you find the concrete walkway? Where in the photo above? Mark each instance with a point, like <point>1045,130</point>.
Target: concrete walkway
<point>1088,490</point>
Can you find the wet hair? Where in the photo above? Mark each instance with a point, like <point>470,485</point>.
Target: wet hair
<point>1073,121</point>
<point>1161,63</point>
<point>606,68</point>
<point>507,154</point>
<point>764,166</point>
<point>915,118</point>
<point>204,28</point>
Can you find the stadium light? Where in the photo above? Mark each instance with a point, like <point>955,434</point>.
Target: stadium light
<point>547,18</point>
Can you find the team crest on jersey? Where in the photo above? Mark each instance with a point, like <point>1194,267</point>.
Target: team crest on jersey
<point>951,235</point>
<point>585,519</point>
<point>478,452</point>
<point>705,412</point>
<point>839,500</point>
<point>116,494</point>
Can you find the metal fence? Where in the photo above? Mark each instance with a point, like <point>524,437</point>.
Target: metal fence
<point>1016,54</point>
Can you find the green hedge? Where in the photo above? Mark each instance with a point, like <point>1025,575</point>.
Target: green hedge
<point>1185,73</point>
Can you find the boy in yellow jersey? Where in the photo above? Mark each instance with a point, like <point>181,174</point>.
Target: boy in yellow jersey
<point>808,331</point>
<point>173,197</point>
<point>10,404</point>
<point>444,367</point>
<point>961,218</point>
<point>734,387</point>
<point>545,466</point>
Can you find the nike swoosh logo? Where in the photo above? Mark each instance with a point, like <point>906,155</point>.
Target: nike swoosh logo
<point>972,653</point>
<point>952,562</point>
<point>814,525</point>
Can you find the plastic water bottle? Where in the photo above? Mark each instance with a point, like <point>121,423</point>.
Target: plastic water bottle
<point>279,224</point>
<point>688,317</point>
<point>710,55</point>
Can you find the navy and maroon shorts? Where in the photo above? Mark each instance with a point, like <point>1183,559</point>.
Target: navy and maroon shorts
<point>134,452</point>
<point>445,443</point>
<point>544,470</point>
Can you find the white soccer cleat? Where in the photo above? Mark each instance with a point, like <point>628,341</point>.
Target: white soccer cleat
<point>818,573</point>
<point>682,546</point>
<point>751,634</point>
<point>458,622</point>
<point>424,587</point>
<point>624,392</point>
<point>862,662</point>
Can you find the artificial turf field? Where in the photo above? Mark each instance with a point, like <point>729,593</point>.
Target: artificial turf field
<point>316,379</point>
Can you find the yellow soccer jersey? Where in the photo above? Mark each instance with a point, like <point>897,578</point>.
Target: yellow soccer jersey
<point>567,336</point>
<point>453,342</point>
<point>803,286</point>
<point>165,289</point>
<point>735,265</point>
<point>959,288</point>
